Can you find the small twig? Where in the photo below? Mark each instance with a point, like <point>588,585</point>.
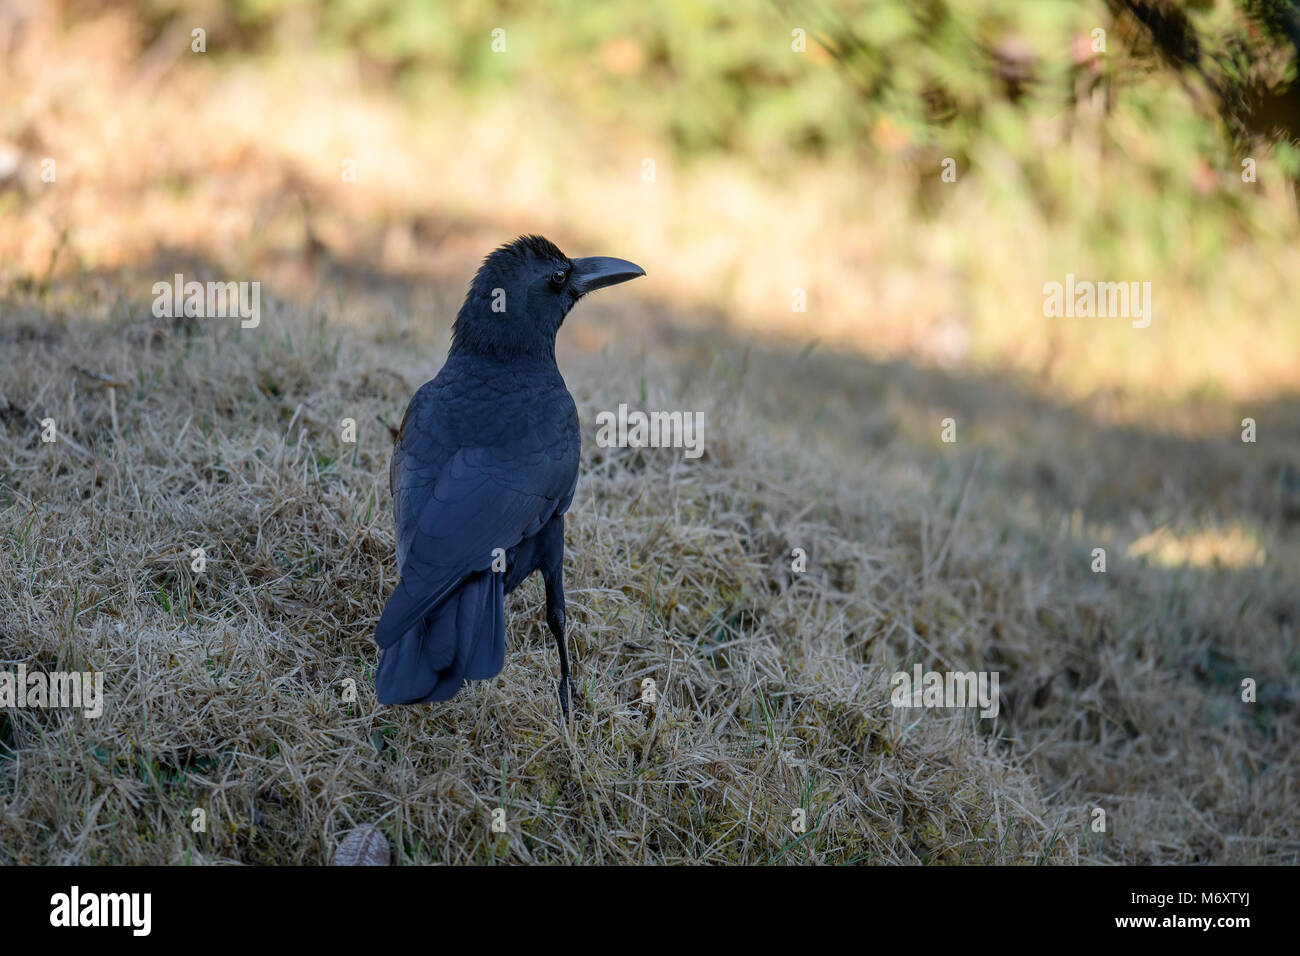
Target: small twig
<point>111,385</point>
<point>393,432</point>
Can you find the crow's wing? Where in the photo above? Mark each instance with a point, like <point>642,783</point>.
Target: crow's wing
<point>453,512</point>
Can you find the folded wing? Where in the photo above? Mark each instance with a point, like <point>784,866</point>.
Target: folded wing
<point>448,529</point>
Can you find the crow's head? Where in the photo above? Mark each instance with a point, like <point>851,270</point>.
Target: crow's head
<point>523,291</point>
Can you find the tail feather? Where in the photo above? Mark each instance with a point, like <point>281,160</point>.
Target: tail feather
<point>488,655</point>
<point>463,638</point>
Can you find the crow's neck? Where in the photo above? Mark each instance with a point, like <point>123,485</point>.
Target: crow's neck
<point>476,335</point>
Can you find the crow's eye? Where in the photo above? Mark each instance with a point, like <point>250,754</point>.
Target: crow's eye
<point>558,277</point>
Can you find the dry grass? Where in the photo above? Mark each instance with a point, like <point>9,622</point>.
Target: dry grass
<point>226,690</point>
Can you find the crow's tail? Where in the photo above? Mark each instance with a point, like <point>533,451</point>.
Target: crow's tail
<point>463,638</point>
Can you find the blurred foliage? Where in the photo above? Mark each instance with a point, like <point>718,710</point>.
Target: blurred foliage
<point>1161,117</point>
<point>725,76</point>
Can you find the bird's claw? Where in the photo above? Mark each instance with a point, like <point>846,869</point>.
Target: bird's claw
<point>566,692</point>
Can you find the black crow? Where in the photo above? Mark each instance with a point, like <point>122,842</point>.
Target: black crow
<point>484,467</point>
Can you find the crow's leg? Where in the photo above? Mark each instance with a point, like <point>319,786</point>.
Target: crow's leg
<point>555,621</point>
<point>553,575</point>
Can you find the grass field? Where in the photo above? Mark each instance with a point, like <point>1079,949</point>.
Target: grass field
<point>246,690</point>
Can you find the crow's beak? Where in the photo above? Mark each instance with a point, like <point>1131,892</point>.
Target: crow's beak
<point>596,272</point>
